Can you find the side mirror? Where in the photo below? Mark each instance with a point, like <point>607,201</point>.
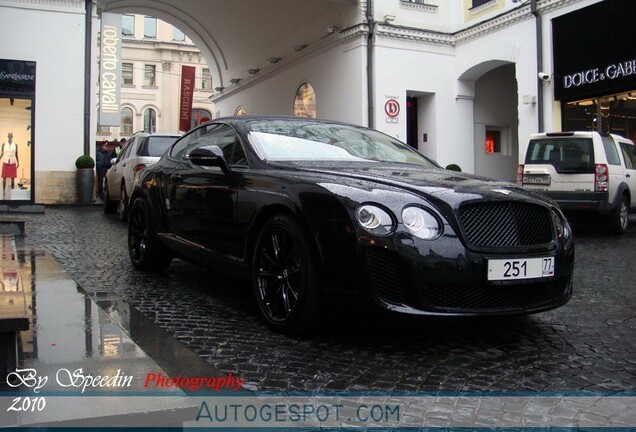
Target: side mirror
<point>113,161</point>
<point>210,156</point>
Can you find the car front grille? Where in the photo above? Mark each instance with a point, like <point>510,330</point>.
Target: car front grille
<point>493,298</point>
<point>506,224</point>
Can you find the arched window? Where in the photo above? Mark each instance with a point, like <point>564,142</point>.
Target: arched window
<point>305,101</point>
<point>126,121</point>
<point>150,120</point>
<point>199,116</point>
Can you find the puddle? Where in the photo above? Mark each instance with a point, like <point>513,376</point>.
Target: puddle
<point>71,328</point>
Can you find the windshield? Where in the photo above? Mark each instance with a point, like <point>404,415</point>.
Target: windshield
<point>310,141</point>
<point>566,155</point>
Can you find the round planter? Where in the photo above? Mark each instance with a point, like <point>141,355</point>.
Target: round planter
<point>85,185</point>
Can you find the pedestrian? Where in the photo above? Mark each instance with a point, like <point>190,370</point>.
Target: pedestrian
<point>119,147</point>
<point>103,164</point>
<point>10,165</point>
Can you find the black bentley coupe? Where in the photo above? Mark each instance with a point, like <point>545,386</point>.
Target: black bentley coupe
<point>315,212</point>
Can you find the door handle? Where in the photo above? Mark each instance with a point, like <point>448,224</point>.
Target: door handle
<point>628,175</point>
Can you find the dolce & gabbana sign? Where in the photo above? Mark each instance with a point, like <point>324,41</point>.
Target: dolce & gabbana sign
<point>593,51</point>
<point>591,76</point>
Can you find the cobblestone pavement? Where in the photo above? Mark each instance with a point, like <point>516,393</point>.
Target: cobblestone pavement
<point>587,345</point>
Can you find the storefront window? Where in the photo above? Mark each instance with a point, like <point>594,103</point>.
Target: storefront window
<point>149,75</point>
<point>609,114</point>
<point>493,141</point>
<point>17,96</point>
<point>305,101</point>
<point>150,27</point>
<point>150,120</point>
<point>128,25</point>
<point>126,121</point>
<point>15,150</point>
<point>199,116</point>
<point>127,74</point>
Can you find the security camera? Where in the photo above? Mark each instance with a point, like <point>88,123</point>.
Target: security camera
<point>545,77</point>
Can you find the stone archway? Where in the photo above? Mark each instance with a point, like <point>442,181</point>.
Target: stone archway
<point>488,81</point>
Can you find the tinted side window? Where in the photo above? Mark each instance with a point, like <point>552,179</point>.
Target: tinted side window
<point>629,154</point>
<point>143,145</point>
<point>179,149</point>
<point>226,138</point>
<point>126,151</point>
<point>610,151</point>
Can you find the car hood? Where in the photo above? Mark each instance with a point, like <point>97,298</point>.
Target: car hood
<point>435,185</point>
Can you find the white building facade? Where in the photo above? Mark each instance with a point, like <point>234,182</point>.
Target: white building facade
<point>45,41</point>
<point>458,80</point>
<point>153,54</point>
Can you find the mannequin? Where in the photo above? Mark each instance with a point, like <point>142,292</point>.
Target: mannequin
<point>10,163</point>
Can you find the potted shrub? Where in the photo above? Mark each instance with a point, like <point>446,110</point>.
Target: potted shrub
<point>85,179</point>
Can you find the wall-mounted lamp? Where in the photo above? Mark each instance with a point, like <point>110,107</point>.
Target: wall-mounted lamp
<point>273,59</point>
<point>330,30</point>
<point>253,71</point>
<point>235,80</point>
<point>219,89</point>
<point>389,18</point>
<point>299,47</point>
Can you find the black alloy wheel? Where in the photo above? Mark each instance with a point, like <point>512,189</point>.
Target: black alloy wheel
<point>145,250</point>
<point>284,277</point>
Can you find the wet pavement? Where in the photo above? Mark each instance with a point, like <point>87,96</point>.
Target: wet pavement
<point>76,343</point>
<point>587,346</point>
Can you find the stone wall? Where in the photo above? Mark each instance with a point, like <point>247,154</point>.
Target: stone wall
<point>55,187</point>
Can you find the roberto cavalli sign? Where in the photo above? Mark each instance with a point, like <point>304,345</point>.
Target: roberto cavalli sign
<point>110,70</point>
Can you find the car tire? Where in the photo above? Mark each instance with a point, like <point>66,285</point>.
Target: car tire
<point>122,208</point>
<point>144,248</point>
<point>284,277</point>
<point>619,218</point>
<point>110,207</point>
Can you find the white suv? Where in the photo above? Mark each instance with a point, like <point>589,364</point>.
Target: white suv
<point>141,150</point>
<point>583,172</point>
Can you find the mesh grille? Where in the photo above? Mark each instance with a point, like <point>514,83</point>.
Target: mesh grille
<point>386,277</point>
<point>506,224</point>
<point>493,298</point>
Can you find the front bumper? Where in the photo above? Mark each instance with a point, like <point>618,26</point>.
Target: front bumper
<point>461,287</point>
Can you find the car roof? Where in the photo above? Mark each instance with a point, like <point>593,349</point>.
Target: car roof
<point>622,139</point>
<point>148,134</point>
<point>246,118</point>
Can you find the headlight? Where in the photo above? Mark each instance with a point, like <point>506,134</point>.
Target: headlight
<point>564,232</point>
<point>421,223</point>
<point>374,219</point>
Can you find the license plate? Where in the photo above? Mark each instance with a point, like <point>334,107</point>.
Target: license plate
<point>512,269</point>
<point>537,179</point>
